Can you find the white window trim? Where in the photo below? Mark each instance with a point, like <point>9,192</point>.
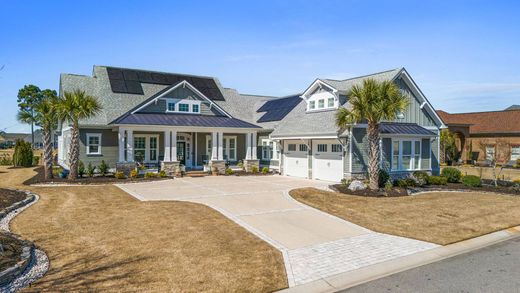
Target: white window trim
<point>225,147</point>
<point>400,156</point>
<point>274,151</point>
<point>190,104</point>
<point>494,152</point>
<point>323,96</point>
<point>147,147</point>
<point>89,135</point>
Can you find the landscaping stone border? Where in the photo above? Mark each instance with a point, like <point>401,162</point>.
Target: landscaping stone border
<point>34,262</point>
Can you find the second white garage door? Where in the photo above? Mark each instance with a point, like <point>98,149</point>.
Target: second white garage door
<point>296,159</point>
<point>327,162</point>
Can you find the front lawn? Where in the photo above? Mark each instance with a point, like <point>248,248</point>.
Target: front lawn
<point>438,217</point>
<point>99,239</point>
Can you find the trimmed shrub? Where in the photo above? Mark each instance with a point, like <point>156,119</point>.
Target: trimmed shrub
<point>90,170</point>
<point>383,178</point>
<point>81,169</point>
<point>452,174</point>
<point>254,170</point>
<point>35,160</point>
<point>265,170</point>
<point>420,177</point>
<point>148,175</point>
<point>388,185</point>
<point>407,182</point>
<point>23,154</point>
<point>437,180</point>
<point>134,174</point>
<point>56,171</point>
<point>346,181</point>
<point>229,171</point>
<point>120,175</point>
<point>103,168</point>
<point>5,160</point>
<point>471,181</point>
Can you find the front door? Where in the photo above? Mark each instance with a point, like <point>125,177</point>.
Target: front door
<point>181,152</point>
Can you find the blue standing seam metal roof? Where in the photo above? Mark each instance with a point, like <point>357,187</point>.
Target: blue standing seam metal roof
<point>183,120</point>
<point>277,109</point>
<point>404,128</point>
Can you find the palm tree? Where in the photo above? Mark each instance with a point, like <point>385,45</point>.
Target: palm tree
<point>48,121</point>
<point>72,107</point>
<point>373,102</point>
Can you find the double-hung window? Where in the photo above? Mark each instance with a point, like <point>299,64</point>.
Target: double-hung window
<point>312,105</point>
<point>171,106</point>
<point>93,143</point>
<point>330,102</point>
<point>321,103</point>
<point>406,155</point>
<point>268,150</point>
<point>195,108</point>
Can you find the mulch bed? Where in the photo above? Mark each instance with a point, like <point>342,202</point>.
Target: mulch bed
<point>399,191</point>
<point>394,192</point>
<point>39,178</point>
<point>12,250</point>
<point>9,197</point>
<point>11,247</point>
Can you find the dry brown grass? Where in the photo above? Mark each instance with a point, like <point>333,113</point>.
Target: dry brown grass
<point>102,239</point>
<point>441,218</point>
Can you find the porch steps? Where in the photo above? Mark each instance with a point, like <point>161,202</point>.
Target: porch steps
<point>196,174</point>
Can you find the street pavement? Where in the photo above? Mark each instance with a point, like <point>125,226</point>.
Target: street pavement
<point>494,268</point>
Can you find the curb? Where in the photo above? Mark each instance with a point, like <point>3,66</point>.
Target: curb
<point>353,278</point>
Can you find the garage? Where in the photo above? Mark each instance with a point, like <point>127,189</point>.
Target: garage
<point>327,160</point>
<point>296,162</point>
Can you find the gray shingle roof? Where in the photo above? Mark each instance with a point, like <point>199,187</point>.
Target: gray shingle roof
<point>299,122</point>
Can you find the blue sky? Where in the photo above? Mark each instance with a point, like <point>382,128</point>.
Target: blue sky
<point>464,55</point>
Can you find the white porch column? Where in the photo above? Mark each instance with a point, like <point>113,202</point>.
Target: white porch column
<point>220,146</point>
<point>174,146</point>
<point>248,146</point>
<point>167,146</point>
<point>214,146</point>
<point>253,149</point>
<point>121,144</point>
<point>129,145</point>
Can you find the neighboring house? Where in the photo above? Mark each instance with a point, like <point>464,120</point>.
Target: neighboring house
<point>8,140</point>
<point>170,119</point>
<point>486,128</point>
<point>513,107</point>
<point>38,139</point>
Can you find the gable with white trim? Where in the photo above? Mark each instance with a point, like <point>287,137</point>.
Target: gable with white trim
<point>182,99</point>
<point>321,97</point>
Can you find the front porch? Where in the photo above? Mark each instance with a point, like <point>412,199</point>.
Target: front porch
<point>172,148</point>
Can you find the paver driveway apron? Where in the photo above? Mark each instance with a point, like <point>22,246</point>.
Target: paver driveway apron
<point>314,244</point>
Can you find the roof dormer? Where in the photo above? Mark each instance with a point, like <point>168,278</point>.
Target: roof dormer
<point>320,96</point>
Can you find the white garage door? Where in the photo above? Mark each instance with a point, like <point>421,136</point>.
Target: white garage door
<point>327,161</point>
<point>296,161</point>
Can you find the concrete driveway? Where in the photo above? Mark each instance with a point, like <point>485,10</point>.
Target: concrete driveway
<point>314,244</point>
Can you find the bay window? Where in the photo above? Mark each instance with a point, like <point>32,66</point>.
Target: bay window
<point>406,155</point>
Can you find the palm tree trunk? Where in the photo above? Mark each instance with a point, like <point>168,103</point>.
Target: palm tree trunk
<point>74,151</point>
<point>47,152</point>
<point>373,155</point>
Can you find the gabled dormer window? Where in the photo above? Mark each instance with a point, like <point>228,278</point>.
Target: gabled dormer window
<point>321,96</point>
<point>183,106</point>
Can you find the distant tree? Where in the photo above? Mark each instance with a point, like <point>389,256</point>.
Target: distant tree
<point>28,97</point>
<point>502,153</point>
<point>372,102</point>
<point>72,107</point>
<point>448,147</point>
